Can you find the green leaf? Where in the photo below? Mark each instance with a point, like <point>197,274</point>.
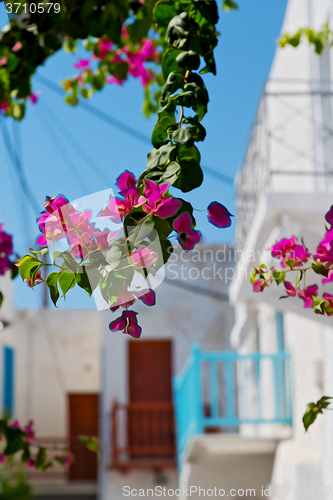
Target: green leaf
<point>69,260</point>
<point>1,298</point>
<point>169,62</point>
<point>310,416</point>
<point>26,265</point>
<point>191,175</point>
<point>15,270</point>
<point>174,82</point>
<point>66,281</point>
<point>139,29</point>
<point>18,110</point>
<point>87,280</point>
<point>188,151</point>
<point>178,30</point>
<point>159,136</point>
<point>52,283</point>
<point>163,12</point>
<point>320,269</point>
<point>298,279</point>
<point>279,276</point>
<point>181,135</point>
<point>160,157</point>
<point>91,442</point>
<point>229,4</point>
<point>313,410</point>
<point>188,60</point>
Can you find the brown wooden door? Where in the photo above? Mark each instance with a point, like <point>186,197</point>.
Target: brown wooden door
<point>150,414</point>
<point>83,421</point>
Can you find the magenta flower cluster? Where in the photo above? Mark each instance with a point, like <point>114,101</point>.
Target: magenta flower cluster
<point>6,250</point>
<point>294,257</point>
<point>137,201</point>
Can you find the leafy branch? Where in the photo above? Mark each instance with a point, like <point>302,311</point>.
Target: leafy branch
<point>314,409</point>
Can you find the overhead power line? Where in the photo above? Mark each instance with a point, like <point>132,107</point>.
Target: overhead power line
<point>126,128</point>
<point>18,169</point>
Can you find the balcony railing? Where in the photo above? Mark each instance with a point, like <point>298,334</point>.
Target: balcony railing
<point>143,435</point>
<point>238,389</point>
<point>291,146</point>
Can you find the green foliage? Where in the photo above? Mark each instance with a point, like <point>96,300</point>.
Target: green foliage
<point>229,4</point>
<point>15,486</point>
<point>320,39</point>
<point>86,20</point>
<point>313,410</point>
<point>90,442</point>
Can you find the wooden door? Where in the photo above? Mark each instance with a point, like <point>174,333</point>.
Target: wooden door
<point>150,413</point>
<point>83,421</point>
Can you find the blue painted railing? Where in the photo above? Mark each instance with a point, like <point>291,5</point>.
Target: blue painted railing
<point>227,389</point>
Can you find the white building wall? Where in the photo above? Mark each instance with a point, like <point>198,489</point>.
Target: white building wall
<point>183,315</point>
<point>56,353</point>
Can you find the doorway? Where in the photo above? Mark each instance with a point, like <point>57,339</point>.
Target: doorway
<point>83,421</point>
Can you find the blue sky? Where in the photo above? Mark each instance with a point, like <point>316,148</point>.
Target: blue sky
<point>244,56</point>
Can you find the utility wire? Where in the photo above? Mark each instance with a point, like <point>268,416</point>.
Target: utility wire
<point>77,146</point>
<point>19,170</point>
<point>76,175</point>
<point>97,112</point>
<point>126,128</point>
<point>15,160</point>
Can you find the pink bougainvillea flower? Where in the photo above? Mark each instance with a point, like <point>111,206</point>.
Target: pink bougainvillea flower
<point>4,105</point>
<point>83,64</point>
<point>116,80</point>
<point>6,249</point>
<point>291,290</point>
<point>125,299</point>
<point>118,208</point>
<point>259,285</point>
<point>3,60</point>
<point>82,244</point>
<point>31,462</point>
<point>34,97</point>
<point>329,216</point>
<point>290,253</point>
<point>104,46</point>
<point>283,247</point>
<point>37,280</point>
<point>187,237</point>
<point>328,299</point>
<point>28,429</point>
<point>3,458</point>
<point>155,201</point>
<point>148,51</point>
<point>329,277</point>
<point>128,324</point>
<point>124,32</point>
<point>53,222</point>
<point>219,215</point>
<point>308,294</point>
<point>148,297</point>
<point>66,458</point>
<point>143,258</point>
<point>103,239</point>
<point>17,46</point>
<point>324,253</point>
<point>126,181</point>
